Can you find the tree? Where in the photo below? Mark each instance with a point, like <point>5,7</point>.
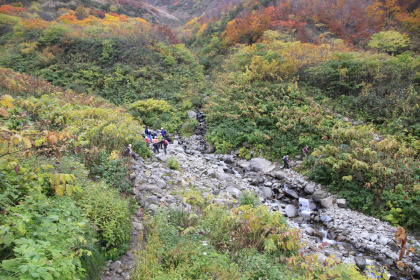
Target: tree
<point>391,42</point>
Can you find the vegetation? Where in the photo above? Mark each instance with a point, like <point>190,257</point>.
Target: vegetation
<point>212,242</point>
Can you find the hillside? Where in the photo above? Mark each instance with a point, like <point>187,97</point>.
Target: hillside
<point>238,85</point>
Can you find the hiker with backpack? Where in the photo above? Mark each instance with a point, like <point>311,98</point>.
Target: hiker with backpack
<point>155,145</point>
<point>165,145</point>
<point>160,139</point>
<point>163,132</point>
<point>305,150</point>
<point>148,133</point>
<point>286,162</point>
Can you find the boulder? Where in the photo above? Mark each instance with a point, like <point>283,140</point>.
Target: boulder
<point>349,260</point>
<point>320,194</point>
<point>292,194</point>
<point>327,203</point>
<point>161,157</point>
<point>364,234</point>
<point>152,209</point>
<point>261,165</point>
<point>211,149</point>
<point>161,184</point>
<point>279,175</point>
<point>211,173</point>
<point>191,114</point>
<point>383,240</point>
<point>341,202</point>
<point>325,218</point>
<point>137,226</point>
<point>360,262</point>
<point>309,188</point>
<point>223,176</point>
<point>234,192</point>
<point>151,200</point>
<point>291,211</point>
<point>268,193</point>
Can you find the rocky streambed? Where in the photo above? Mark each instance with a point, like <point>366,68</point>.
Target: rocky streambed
<point>328,227</point>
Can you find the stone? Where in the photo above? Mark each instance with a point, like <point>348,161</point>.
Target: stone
<point>298,156</point>
<point>191,114</point>
<point>320,194</point>
<point>383,240</point>
<point>360,262</point>
<point>211,149</point>
<point>135,191</point>
<point>325,218</point>
<point>341,202</point>
<point>161,184</point>
<point>321,256</point>
<point>292,194</point>
<point>161,157</point>
<point>393,246</point>
<point>261,165</point>
<point>349,260</point>
<point>222,176</point>
<point>152,209</point>
<point>151,200</point>
<point>268,193</point>
<point>137,226</point>
<point>309,188</point>
<point>341,238</point>
<point>327,203</point>
<point>364,234</point>
<point>148,187</point>
<point>126,276</point>
<point>279,175</point>
<point>211,173</point>
<point>233,191</point>
<point>318,234</point>
<point>373,237</point>
<point>116,265</point>
<point>291,211</point>
<point>417,270</point>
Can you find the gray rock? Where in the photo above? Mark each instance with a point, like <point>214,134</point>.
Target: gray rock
<point>417,270</point>
<point>261,165</point>
<point>233,191</point>
<point>279,175</point>
<point>211,149</point>
<point>292,194</point>
<point>349,260</point>
<point>309,188</point>
<point>211,173</point>
<point>134,191</point>
<point>393,246</point>
<point>267,192</point>
<point>161,157</point>
<point>360,262</point>
<point>373,237</point>
<point>325,218</point>
<point>148,187</point>
<point>341,202</point>
<point>321,256</point>
<point>364,234</point>
<point>161,184</point>
<point>291,211</point>
<point>137,226</point>
<point>320,194</point>
<point>223,176</point>
<point>298,156</point>
<point>191,114</point>
<point>383,240</point>
<point>126,276</point>
<point>327,203</point>
<point>151,200</point>
<point>116,265</point>
<point>152,209</point>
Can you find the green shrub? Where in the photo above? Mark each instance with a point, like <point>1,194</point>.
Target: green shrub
<point>173,163</point>
<point>188,128</point>
<point>248,198</point>
<point>44,238</point>
<point>110,216</point>
<point>140,147</point>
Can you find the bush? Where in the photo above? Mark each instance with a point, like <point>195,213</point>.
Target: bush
<point>173,163</point>
<point>188,128</point>
<point>110,217</point>
<point>248,198</point>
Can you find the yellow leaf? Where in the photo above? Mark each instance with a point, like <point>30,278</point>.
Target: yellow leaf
<point>60,190</point>
<point>6,101</point>
<point>69,189</point>
<point>27,142</point>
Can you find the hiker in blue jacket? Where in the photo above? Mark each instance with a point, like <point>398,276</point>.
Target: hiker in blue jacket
<point>286,162</point>
<point>163,132</point>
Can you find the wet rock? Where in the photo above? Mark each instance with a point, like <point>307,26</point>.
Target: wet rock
<point>325,218</point>
<point>291,193</point>
<point>331,235</point>
<point>341,202</point>
<point>291,211</point>
<point>360,262</point>
<point>320,194</point>
<point>267,192</point>
<point>327,202</point>
<point>261,165</point>
<point>393,246</point>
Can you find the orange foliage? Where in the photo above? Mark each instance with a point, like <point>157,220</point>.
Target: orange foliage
<point>11,10</point>
<point>35,24</point>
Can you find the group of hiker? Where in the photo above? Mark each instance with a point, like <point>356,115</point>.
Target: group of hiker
<point>157,139</point>
<point>286,158</point>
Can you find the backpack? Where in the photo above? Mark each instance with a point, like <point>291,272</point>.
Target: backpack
<point>165,142</point>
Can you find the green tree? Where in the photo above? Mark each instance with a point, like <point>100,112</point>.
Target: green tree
<point>391,42</point>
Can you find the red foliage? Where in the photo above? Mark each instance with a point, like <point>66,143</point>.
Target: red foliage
<point>165,32</point>
<point>98,14</point>
<point>11,10</point>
